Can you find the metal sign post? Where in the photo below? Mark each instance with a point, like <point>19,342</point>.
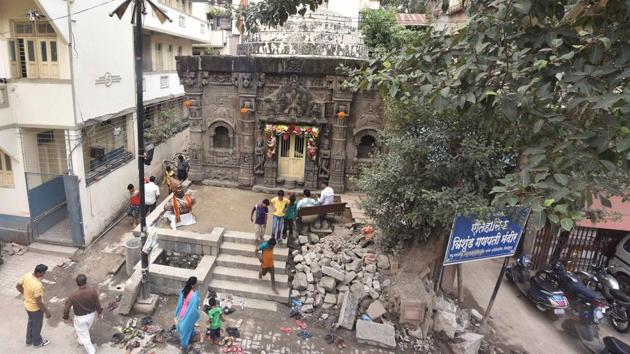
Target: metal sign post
<point>473,239</point>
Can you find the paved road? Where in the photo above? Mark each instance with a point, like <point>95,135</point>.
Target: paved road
<point>518,322</point>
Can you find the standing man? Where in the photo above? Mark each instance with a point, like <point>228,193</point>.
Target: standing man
<point>151,195</point>
<point>133,209</point>
<point>266,261</point>
<point>31,287</point>
<point>279,204</point>
<point>85,304</point>
<point>183,166</point>
<point>327,196</point>
<point>261,211</point>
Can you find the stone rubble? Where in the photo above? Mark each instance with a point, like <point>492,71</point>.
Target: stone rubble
<point>341,280</point>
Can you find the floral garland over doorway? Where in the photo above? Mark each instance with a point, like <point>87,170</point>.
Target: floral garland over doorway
<point>310,133</point>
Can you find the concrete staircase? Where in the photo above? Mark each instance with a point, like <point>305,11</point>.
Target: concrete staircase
<point>236,269</point>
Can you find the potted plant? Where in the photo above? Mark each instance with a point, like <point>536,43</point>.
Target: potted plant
<point>220,17</point>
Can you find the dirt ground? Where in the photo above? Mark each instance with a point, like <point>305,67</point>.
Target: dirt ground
<point>224,207</point>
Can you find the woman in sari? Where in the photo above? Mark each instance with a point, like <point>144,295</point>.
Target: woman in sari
<point>187,313</point>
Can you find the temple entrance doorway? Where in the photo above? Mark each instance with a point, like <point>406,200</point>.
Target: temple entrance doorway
<point>292,156</point>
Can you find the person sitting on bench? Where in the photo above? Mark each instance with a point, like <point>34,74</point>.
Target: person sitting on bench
<point>307,201</point>
<point>327,195</point>
<point>179,209</point>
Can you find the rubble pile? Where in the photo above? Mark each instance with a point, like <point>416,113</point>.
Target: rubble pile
<point>340,279</point>
<point>179,260</point>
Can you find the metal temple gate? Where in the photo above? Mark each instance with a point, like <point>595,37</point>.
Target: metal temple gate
<point>585,247</point>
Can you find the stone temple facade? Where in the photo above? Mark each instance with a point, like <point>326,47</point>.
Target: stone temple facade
<point>277,115</point>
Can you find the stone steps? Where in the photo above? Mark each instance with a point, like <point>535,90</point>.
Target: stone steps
<point>248,250</point>
<point>239,237</point>
<point>245,276</point>
<point>254,291</point>
<point>247,263</point>
<point>53,250</point>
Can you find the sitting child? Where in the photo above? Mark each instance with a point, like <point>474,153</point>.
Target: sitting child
<point>215,314</point>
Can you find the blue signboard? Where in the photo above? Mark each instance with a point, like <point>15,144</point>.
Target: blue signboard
<point>473,239</point>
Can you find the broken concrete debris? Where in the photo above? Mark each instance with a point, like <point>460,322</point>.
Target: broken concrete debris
<point>379,334</point>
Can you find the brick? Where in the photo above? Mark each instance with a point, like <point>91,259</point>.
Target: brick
<point>382,335</point>
<point>330,271</point>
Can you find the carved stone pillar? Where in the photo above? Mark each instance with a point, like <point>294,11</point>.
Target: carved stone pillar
<point>310,174</point>
<point>246,150</point>
<point>338,155</point>
<point>197,128</point>
<point>271,172</point>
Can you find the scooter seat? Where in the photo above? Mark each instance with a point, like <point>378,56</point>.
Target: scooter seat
<point>543,284</point>
<point>620,295</point>
<point>615,346</point>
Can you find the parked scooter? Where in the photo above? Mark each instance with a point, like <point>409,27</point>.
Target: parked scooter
<point>537,288</point>
<point>604,282</point>
<point>615,346</point>
<point>588,305</point>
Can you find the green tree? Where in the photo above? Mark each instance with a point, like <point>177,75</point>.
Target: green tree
<point>528,104</point>
<point>410,6</point>
<point>274,12</point>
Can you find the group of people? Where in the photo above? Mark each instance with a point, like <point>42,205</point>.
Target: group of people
<point>83,301</point>
<point>152,192</point>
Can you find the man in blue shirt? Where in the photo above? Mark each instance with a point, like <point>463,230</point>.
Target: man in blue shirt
<point>261,210</point>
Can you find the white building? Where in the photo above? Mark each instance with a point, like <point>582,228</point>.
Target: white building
<point>67,122</point>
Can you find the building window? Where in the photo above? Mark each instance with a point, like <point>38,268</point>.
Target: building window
<point>171,58</point>
<point>366,147</point>
<point>221,139</point>
<point>163,81</point>
<point>159,64</point>
<point>6,170</point>
<point>165,119</point>
<point>182,21</point>
<point>33,51</point>
<point>202,28</point>
<point>107,146</point>
<point>180,50</point>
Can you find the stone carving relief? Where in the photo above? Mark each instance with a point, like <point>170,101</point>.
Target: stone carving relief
<point>223,158</point>
<point>261,80</point>
<point>294,65</point>
<point>259,154</point>
<point>220,78</point>
<point>246,80</point>
<point>369,117</point>
<point>235,79</point>
<point>292,99</point>
<point>220,109</point>
<point>223,174</point>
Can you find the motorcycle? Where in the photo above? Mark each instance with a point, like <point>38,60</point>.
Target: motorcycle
<point>604,282</point>
<point>537,288</point>
<point>615,346</point>
<point>588,305</point>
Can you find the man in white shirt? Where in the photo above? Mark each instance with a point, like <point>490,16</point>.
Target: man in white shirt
<point>327,196</point>
<point>151,194</point>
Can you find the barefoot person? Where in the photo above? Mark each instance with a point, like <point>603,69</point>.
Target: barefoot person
<point>133,209</point>
<point>266,261</point>
<point>86,306</point>
<point>187,313</point>
<point>215,314</point>
<point>31,287</point>
<point>261,210</point>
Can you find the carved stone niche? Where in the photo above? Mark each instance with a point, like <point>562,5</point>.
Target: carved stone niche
<point>369,116</point>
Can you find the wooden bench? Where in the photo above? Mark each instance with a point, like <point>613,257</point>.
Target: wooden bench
<point>321,210</point>
<point>336,208</point>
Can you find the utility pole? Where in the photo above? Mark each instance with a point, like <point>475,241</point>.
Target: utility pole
<point>137,49</point>
<point>138,11</point>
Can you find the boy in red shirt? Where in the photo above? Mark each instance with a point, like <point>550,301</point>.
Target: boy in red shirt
<point>133,209</point>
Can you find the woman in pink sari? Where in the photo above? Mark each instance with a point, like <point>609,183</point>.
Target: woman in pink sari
<point>187,312</point>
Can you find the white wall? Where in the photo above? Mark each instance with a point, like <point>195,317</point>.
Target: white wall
<point>102,201</point>
<point>104,44</point>
<point>14,200</point>
<point>43,104</point>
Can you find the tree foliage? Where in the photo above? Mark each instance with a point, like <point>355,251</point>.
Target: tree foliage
<point>274,13</point>
<point>528,104</point>
<point>410,6</point>
<point>380,30</point>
